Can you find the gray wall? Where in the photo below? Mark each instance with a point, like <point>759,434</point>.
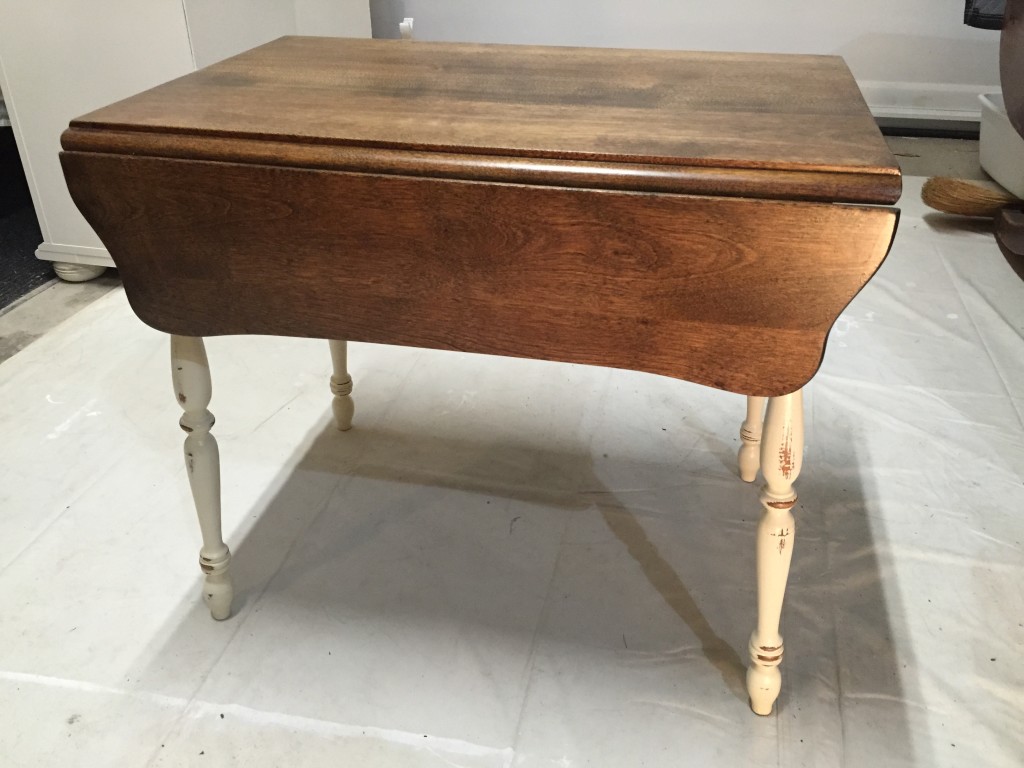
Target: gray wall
<point>912,58</point>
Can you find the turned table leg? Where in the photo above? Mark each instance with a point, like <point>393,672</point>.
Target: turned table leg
<point>749,458</point>
<point>191,375</point>
<point>781,455</point>
<point>341,386</point>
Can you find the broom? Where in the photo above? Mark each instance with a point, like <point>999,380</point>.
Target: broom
<point>966,198</point>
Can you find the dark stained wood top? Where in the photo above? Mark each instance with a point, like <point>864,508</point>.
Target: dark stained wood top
<point>734,293</point>
<point>754,125</point>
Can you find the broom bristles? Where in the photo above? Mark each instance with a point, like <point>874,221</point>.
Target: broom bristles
<point>965,198</point>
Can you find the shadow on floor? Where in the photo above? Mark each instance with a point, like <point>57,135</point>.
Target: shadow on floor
<point>346,487</point>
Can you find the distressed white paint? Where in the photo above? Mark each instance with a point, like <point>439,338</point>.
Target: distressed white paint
<point>782,448</point>
<point>341,386</point>
<point>749,458</point>
<point>190,372</point>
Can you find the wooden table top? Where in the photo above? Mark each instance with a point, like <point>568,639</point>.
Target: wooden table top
<point>750,125</point>
<point>332,188</point>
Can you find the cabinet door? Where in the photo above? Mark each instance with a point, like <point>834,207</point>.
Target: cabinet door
<point>62,58</point>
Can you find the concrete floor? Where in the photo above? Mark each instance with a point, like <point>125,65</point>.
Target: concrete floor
<point>28,319</point>
<point>937,157</point>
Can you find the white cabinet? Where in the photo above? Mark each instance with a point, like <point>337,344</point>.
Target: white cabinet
<point>62,58</point>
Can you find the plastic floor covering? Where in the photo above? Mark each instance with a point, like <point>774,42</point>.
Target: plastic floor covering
<point>519,563</point>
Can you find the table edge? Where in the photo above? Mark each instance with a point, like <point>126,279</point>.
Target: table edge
<point>813,184</point>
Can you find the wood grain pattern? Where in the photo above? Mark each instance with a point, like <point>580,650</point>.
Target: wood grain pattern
<point>524,113</point>
<point>712,290</point>
<point>589,174</point>
<point>667,212</point>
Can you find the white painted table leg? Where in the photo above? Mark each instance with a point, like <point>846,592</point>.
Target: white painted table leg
<point>781,456</point>
<point>341,386</point>
<point>191,374</point>
<point>749,458</point>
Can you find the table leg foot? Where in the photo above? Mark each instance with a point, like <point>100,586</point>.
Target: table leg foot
<point>218,591</point>
<point>341,386</point>
<point>781,458</point>
<point>763,681</point>
<point>190,372</point>
<point>749,458</point>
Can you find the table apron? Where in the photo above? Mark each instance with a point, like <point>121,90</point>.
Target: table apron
<point>735,293</point>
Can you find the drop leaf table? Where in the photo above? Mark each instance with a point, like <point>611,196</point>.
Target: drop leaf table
<point>705,216</point>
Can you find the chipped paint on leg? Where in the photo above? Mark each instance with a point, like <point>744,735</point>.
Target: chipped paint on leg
<point>786,462</point>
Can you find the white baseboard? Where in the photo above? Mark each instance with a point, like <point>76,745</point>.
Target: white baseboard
<point>925,101</point>
<point>74,254</point>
